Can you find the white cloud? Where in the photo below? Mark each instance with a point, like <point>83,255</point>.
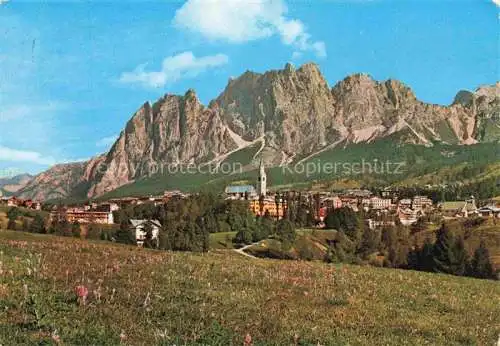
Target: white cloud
<point>106,141</point>
<point>496,2</point>
<point>296,55</point>
<point>14,155</point>
<point>174,68</point>
<point>3,2</point>
<point>238,21</point>
<point>20,111</point>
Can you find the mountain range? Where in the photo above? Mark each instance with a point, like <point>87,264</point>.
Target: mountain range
<point>11,185</point>
<point>287,115</point>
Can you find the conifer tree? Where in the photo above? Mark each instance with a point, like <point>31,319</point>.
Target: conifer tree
<point>124,234</point>
<point>442,251</point>
<point>75,229</point>
<point>148,237</point>
<point>38,224</point>
<point>286,232</point>
<point>425,261</point>
<point>460,260</point>
<point>26,225</point>
<point>480,265</point>
<point>12,215</point>
<point>370,242</point>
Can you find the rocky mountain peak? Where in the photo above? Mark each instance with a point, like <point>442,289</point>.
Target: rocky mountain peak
<point>289,68</point>
<point>310,67</point>
<point>291,113</point>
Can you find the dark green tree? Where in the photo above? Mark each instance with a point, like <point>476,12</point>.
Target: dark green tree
<point>286,233</point>
<point>26,224</point>
<point>345,220</point>
<point>421,258</point>
<point>38,225</point>
<point>370,242</point>
<point>12,215</point>
<point>125,234</point>
<point>266,226</point>
<point>480,265</point>
<point>75,229</point>
<point>149,242</point>
<point>442,251</point>
<point>460,260</point>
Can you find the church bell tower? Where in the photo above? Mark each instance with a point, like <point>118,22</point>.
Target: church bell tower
<point>262,183</point>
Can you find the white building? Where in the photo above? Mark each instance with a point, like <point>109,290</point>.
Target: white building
<point>374,224</point>
<point>139,227</point>
<point>489,211</point>
<point>262,183</point>
<point>405,203</point>
<point>380,203</point>
<point>407,217</point>
<point>421,202</point>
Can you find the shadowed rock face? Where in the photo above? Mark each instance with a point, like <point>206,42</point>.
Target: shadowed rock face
<point>293,110</point>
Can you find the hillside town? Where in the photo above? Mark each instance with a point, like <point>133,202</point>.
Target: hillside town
<point>383,210</point>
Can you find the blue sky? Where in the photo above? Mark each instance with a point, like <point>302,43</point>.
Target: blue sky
<point>73,72</point>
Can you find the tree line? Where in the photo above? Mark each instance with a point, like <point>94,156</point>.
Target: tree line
<point>392,247</point>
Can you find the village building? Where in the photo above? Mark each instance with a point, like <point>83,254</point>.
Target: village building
<point>17,202</point>
<point>322,213</point>
<point>13,202</point>
<point>240,191</point>
<point>332,202</point>
<point>380,203</point>
<point>407,216</point>
<point>405,203</point>
<point>267,206</point>
<point>365,202</point>
<point>489,211</point>
<point>421,203</point>
<point>350,202</point>
<point>139,228</point>
<point>108,207</point>
<point>458,208</point>
<point>82,216</point>
<point>374,224</point>
<point>358,193</point>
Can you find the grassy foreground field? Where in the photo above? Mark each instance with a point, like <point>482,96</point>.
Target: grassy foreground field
<point>144,297</point>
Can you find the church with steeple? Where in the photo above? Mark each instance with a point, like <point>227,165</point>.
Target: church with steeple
<point>262,181</point>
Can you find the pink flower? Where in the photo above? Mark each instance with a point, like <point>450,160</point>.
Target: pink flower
<point>55,337</point>
<point>248,340</point>
<point>82,292</point>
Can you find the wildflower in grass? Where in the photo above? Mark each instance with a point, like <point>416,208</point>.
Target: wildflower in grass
<point>82,292</point>
<point>123,336</point>
<point>248,340</point>
<point>55,337</point>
